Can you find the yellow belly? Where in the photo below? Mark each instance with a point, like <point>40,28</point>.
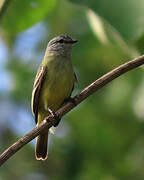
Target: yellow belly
<point>56,87</point>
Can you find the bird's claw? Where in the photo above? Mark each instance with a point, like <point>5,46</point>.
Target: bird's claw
<point>72,100</point>
<point>56,117</point>
<point>69,99</point>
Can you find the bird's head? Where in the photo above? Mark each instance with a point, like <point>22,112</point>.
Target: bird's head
<point>61,45</point>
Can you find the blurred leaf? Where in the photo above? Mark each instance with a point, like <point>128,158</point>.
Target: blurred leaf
<point>97,26</point>
<point>23,14</point>
<point>3,6</point>
<point>1,3</point>
<point>126,15</point>
<point>107,34</point>
<point>140,43</point>
<point>22,79</point>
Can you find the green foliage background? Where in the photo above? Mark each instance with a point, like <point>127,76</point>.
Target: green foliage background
<point>103,138</point>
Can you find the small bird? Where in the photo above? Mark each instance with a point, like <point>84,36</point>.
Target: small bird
<point>53,85</point>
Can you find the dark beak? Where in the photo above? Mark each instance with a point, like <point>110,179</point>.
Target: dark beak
<point>74,41</point>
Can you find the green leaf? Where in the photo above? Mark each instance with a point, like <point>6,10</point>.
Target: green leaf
<point>20,15</point>
<point>1,3</point>
<point>107,34</point>
<point>125,15</point>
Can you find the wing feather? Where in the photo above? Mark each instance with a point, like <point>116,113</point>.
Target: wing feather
<point>37,90</point>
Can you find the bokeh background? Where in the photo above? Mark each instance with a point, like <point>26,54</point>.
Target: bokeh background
<point>101,139</point>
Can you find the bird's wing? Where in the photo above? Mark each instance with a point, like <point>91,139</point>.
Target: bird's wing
<point>75,81</point>
<point>37,89</point>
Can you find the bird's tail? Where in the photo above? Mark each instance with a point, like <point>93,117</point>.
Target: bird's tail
<point>41,149</point>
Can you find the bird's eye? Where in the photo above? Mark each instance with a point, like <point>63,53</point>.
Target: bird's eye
<point>61,41</point>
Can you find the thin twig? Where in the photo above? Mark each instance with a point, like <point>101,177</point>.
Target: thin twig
<point>49,121</point>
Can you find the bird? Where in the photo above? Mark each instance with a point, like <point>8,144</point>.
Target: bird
<point>53,85</point>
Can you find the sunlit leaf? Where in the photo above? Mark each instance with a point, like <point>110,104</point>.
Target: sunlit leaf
<point>22,14</point>
<point>1,3</point>
<point>107,34</point>
<point>97,26</point>
<point>125,15</point>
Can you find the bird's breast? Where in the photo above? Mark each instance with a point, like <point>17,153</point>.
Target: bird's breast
<point>58,84</point>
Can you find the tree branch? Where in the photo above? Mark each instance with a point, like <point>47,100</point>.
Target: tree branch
<point>49,121</point>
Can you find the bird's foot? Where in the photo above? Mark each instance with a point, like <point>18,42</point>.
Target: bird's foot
<point>70,99</point>
<point>56,117</point>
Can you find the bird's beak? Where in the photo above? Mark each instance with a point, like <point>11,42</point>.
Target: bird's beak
<point>74,41</point>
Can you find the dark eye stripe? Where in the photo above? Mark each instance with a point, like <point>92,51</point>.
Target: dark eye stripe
<point>61,41</point>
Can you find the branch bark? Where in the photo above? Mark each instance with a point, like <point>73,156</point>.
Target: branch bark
<point>49,121</point>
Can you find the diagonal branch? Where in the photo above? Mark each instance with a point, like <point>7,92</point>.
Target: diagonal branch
<point>49,121</point>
